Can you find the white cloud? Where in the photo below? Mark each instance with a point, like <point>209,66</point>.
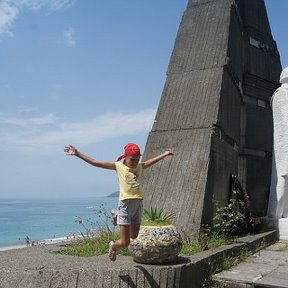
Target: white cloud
<point>30,122</point>
<point>9,10</point>
<point>26,109</point>
<point>8,14</point>
<point>59,4</point>
<point>49,4</point>
<point>69,37</point>
<point>48,134</point>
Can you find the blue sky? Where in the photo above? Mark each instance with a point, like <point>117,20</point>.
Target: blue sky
<point>88,73</point>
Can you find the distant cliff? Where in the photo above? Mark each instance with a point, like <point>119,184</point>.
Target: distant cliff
<point>114,194</point>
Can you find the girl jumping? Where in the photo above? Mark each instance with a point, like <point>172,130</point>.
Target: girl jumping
<point>129,172</point>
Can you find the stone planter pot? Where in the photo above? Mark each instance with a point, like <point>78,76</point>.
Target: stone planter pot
<point>156,245</point>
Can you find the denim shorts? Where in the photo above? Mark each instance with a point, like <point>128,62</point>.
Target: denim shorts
<point>129,211</point>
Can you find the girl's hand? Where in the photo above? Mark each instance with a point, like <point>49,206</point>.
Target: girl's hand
<point>169,153</point>
<point>70,150</point>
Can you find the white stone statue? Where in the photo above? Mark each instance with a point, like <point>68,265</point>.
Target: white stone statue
<point>278,201</point>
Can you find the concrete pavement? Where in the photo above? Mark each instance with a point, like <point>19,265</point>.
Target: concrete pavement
<point>43,267</point>
<point>266,268</point>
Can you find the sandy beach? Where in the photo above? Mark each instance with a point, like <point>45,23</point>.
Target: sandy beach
<point>42,242</point>
<point>5,248</point>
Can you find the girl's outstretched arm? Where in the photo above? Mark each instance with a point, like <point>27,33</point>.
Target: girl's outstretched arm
<point>72,151</point>
<point>154,160</point>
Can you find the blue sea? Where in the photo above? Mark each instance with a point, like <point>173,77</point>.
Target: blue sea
<point>48,218</point>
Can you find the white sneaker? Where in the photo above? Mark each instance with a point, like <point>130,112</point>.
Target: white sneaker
<point>114,216</point>
<point>112,253</point>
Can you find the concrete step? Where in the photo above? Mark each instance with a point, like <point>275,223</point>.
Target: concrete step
<point>266,268</point>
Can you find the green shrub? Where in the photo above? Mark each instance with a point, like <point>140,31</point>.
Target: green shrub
<point>99,231</point>
<point>229,219</point>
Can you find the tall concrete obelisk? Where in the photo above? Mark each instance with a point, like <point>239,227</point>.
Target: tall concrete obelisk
<point>214,112</point>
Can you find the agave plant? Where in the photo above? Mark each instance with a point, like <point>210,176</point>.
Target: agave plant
<point>153,216</point>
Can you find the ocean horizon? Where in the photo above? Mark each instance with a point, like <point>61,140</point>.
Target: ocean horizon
<point>47,219</point>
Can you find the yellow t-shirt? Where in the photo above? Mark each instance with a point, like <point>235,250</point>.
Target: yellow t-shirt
<point>129,181</point>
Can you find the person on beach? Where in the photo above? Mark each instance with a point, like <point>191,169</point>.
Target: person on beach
<point>130,204</point>
<point>27,240</point>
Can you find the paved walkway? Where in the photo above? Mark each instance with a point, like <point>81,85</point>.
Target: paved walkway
<point>42,267</point>
<point>267,268</point>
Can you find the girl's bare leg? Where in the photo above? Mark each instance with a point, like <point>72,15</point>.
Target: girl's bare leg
<point>134,230</point>
<point>126,232</point>
<point>124,240</point>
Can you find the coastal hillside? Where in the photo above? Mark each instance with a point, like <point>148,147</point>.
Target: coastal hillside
<point>114,194</point>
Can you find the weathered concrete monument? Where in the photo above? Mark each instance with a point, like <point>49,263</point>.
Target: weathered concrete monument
<point>215,112</point>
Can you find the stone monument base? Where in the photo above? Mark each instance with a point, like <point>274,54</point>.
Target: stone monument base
<point>283,228</point>
<point>280,224</point>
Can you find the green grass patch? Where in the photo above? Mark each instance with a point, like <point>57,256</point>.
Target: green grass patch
<point>232,261</point>
<point>92,246</point>
<point>217,241</point>
<point>284,248</point>
<point>191,249</point>
<point>98,245</point>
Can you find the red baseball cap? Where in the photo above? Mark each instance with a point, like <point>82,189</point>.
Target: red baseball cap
<point>130,149</point>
